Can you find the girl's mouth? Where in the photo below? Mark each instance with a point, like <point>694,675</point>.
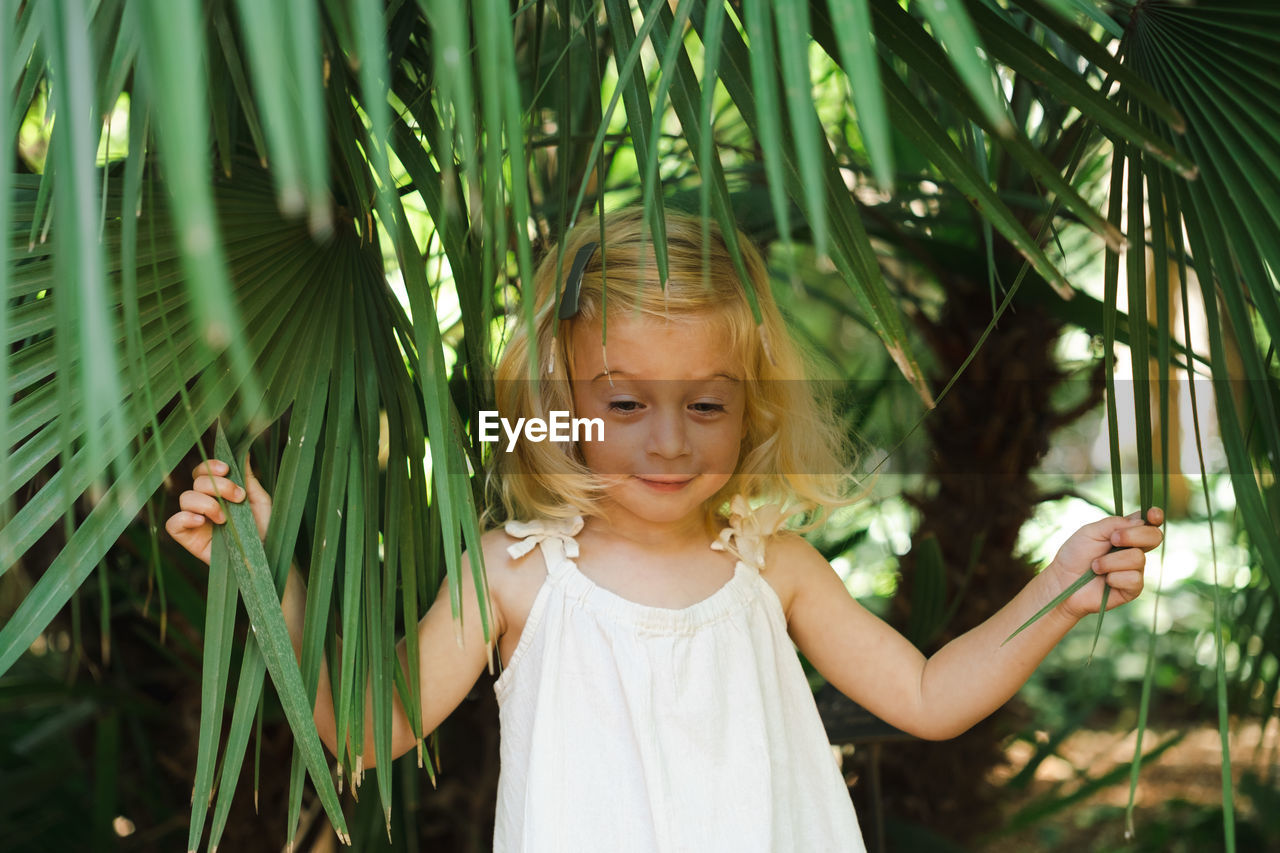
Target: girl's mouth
<point>665,484</point>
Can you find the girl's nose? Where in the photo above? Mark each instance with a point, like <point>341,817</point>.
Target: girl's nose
<point>668,437</point>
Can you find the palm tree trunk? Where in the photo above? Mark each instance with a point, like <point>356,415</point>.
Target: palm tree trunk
<point>986,438</point>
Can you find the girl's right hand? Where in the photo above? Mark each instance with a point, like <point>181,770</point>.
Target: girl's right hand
<point>192,528</point>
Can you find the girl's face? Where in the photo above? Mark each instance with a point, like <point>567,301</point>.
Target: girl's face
<point>672,402</point>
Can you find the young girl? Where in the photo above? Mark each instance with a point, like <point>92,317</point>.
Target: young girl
<point>647,604</point>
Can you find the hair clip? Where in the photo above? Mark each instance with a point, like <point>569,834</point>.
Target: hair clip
<point>573,284</point>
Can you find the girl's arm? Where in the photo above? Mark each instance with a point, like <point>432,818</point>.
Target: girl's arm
<point>447,669</point>
<point>975,673</point>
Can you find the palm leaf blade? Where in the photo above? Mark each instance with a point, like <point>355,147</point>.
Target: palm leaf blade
<point>954,29</point>
<point>219,622</point>
<point>257,589</point>
<point>852,24</point>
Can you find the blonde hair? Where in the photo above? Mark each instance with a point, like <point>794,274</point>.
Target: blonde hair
<point>794,450</point>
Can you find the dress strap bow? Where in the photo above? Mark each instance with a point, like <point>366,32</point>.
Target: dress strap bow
<point>749,530</point>
<point>533,533</point>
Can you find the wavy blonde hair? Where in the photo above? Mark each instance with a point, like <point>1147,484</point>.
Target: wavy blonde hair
<point>795,451</point>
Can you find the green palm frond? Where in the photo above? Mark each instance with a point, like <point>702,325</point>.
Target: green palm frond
<point>1230,212</point>
<point>315,313</point>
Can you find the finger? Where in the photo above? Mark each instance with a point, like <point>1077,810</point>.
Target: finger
<point>1102,529</point>
<point>186,520</point>
<point>1155,516</point>
<point>219,486</point>
<point>180,522</point>
<point>202,504</point>
<point>1127,584</point>
<point>213,466</point>
<point>1144,536</point>
<point>1128,559</point>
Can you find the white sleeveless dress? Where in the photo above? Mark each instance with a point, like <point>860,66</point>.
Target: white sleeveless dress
<point>635,729</point>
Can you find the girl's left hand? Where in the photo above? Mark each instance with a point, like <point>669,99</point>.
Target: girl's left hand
<point>1091,549</point>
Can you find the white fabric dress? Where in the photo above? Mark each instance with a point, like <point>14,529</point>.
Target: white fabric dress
<point>635,729</point>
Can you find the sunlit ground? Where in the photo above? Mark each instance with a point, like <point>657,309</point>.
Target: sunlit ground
<point>1180,791</point>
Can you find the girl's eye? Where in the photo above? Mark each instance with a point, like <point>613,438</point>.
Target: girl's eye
<point>707,408</point>
<point>625,407</point>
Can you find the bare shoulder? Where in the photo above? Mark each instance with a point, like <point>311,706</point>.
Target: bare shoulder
<point>494,545</point>
<point>513,582</point>
<point>794,566</point>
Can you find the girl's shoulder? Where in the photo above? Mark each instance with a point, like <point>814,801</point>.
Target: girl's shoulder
<point>513,580</point>
<point>794,565</point>
<point>789,563</point>
<point>493,543</point>
<point>507,548</point>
